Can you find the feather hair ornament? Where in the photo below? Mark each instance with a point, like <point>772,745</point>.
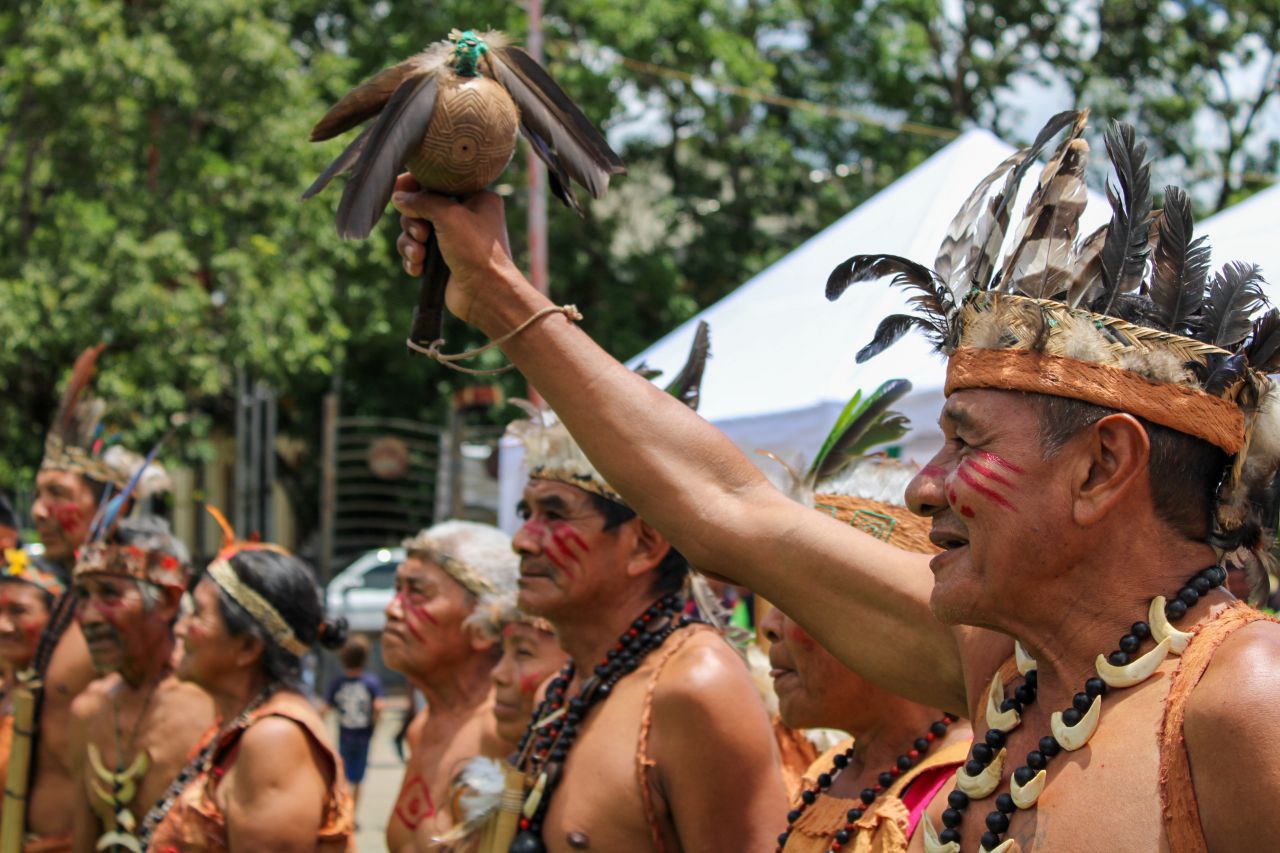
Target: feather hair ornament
<point>1127,317</point>
<point>450,115</point>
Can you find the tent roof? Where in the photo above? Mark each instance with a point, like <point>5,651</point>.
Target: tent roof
<point>1247,232</point>
<point>783,356</point>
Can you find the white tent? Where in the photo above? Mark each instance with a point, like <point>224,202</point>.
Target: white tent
<point>1249,231</point>
<point>782,363</point>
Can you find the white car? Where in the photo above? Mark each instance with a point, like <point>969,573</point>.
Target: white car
<point>361,592</point>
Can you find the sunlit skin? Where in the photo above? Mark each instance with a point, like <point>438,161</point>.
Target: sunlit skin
<point>139,705</point>
<point>62,512</point>
<point>1066,573</point>
<point>8,537</point>
<point>530,656</point>
<point>450,662</point>
<point>115,622</point>
<point>816,691</point>
<point>23,614</point>
<point>274,790</point>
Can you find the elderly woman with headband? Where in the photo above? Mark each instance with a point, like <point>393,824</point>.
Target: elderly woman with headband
<point>267,778</point>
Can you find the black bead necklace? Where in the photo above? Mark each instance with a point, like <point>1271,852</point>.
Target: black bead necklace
<point>985,751</point>
<point>554,728</point>
<point>905,762</point>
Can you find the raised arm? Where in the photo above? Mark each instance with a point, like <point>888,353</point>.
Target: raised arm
<point>866,601</point>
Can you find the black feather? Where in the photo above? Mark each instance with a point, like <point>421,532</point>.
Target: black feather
<point>1124,253</point>
<point>870,267</point>
<point>344,161</point>
<point>1180,265</point>
<point>1234,294</point>
<point>687,386</point>
<point>1226,374</point>
<point>399,129</point>
<point>892,328</point>
<point>558,178</point>
<point>1263,349</point>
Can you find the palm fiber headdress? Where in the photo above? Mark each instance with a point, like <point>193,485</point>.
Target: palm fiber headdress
<point>552,454</point>
<point>859,487</point>
<point>77,442</point>
<point>1127,317</point>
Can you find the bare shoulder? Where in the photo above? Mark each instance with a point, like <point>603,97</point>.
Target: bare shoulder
<point>93,699</point>
<point>1239,690</point>
<point>174,690</point>
<point>273,746</point>
<point>706,679</point>
<point>1232,733</point>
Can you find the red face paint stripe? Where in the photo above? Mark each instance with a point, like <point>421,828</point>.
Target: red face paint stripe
<point>973,483</point>
<point>988,473</point>
<point>932,471</point>
<point>995,459</point>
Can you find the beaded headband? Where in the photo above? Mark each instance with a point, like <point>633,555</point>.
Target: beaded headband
<point>18,566</point>
<point>129,561</point>
<point>470,578</point>
<point>222,573</point>
<point>256,606</point>
<point>1128,317</point>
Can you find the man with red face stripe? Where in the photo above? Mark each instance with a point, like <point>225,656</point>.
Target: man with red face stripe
<point>440,641</point>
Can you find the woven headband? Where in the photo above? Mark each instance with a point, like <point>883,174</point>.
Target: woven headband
<point>462,572</point>
<point>130,561</point>
<point>256,606</point>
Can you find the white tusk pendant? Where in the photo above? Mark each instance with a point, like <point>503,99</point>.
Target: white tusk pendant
<point>1005,721</point>
<point>1073,737</point>
<point>985,782</point>
<point>1025,796</point>
<point>1009,845</point>
<point>1161,629</point>
<point>1025,662</point>
<point>1135,671</point>
<point>932,843</point>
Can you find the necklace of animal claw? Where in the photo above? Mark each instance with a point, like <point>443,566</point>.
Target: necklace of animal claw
<point>905,762</point>
<point>117,789</point>
<point>1071,728</point>
<point>546,743</point>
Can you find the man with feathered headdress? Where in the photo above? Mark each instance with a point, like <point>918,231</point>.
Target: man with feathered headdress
<point>434,637</point>
<point>84,475</point>
<point>1111,446</point>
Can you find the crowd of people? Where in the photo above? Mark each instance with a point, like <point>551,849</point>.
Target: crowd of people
<point>1031,642</point>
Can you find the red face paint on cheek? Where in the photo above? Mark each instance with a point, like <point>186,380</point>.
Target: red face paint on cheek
<point>971,475</point>
<point>967,511</point>
<point>998,460</point>
<point>796,634</point>
<point>415,613</point>
<point>566,548</point>
<point>529,684</point>
<point>68,516</point>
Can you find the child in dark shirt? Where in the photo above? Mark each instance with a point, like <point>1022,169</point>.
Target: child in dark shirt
<point>357,698</point>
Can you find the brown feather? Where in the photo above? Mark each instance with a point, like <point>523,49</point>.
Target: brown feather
<point>367,100</point>
<point>1041,258</point>
<point>1086,269</point>
<point>957,249</point>
<point>81,375</point>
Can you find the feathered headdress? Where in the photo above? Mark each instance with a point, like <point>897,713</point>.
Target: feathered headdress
<point>552,454</point>
<point>17,565</point>
<point>76,441</point>
<point>861,488</point>
<point>1127,317</point>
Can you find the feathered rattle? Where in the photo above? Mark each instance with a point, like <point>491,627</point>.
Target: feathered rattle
<point>450,116</point>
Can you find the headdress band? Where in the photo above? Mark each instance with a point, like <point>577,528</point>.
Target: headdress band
<point>463,573</point>
<point>258,607</point>
<point>17,565</point>
<point>130,561</point>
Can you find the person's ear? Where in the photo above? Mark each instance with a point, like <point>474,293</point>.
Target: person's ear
<point>648,548</point>
<point>1109,460</point>
<point>170,604</point>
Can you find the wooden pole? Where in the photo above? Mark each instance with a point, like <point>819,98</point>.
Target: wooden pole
<point>13,815</point>
<point>538,255</point>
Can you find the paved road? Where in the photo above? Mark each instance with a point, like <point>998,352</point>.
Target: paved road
<point>381,782</point>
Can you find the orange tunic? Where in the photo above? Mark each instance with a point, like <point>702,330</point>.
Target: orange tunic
<point>883,828</point>
<point>195,823</point>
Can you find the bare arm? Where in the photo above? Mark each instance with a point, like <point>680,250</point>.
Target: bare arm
<point>84,823</point>
<point>716,756</point>
<point>276,789</point>
<point>862,599</point>
<point>1232,739</point>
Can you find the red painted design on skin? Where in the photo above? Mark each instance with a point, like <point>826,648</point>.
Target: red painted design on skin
<point>952,496</point>
<point>68,516</point>
<point>967,511</point>
<point>996,459</point>
<point>989,474</point>
<point>415,804</point>
<point>412,612</point>
<point>932,471</point>
<point>565,541</point>
<point>800,635</point>
<point>529,684</point>
<point>992,494</point>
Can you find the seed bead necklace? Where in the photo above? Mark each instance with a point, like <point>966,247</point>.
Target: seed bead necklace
<point>547,741</point>
<point>905,762</point>
<point>1071,728</point>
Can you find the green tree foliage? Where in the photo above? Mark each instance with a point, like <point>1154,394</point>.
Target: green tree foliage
<point>152,153</point>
